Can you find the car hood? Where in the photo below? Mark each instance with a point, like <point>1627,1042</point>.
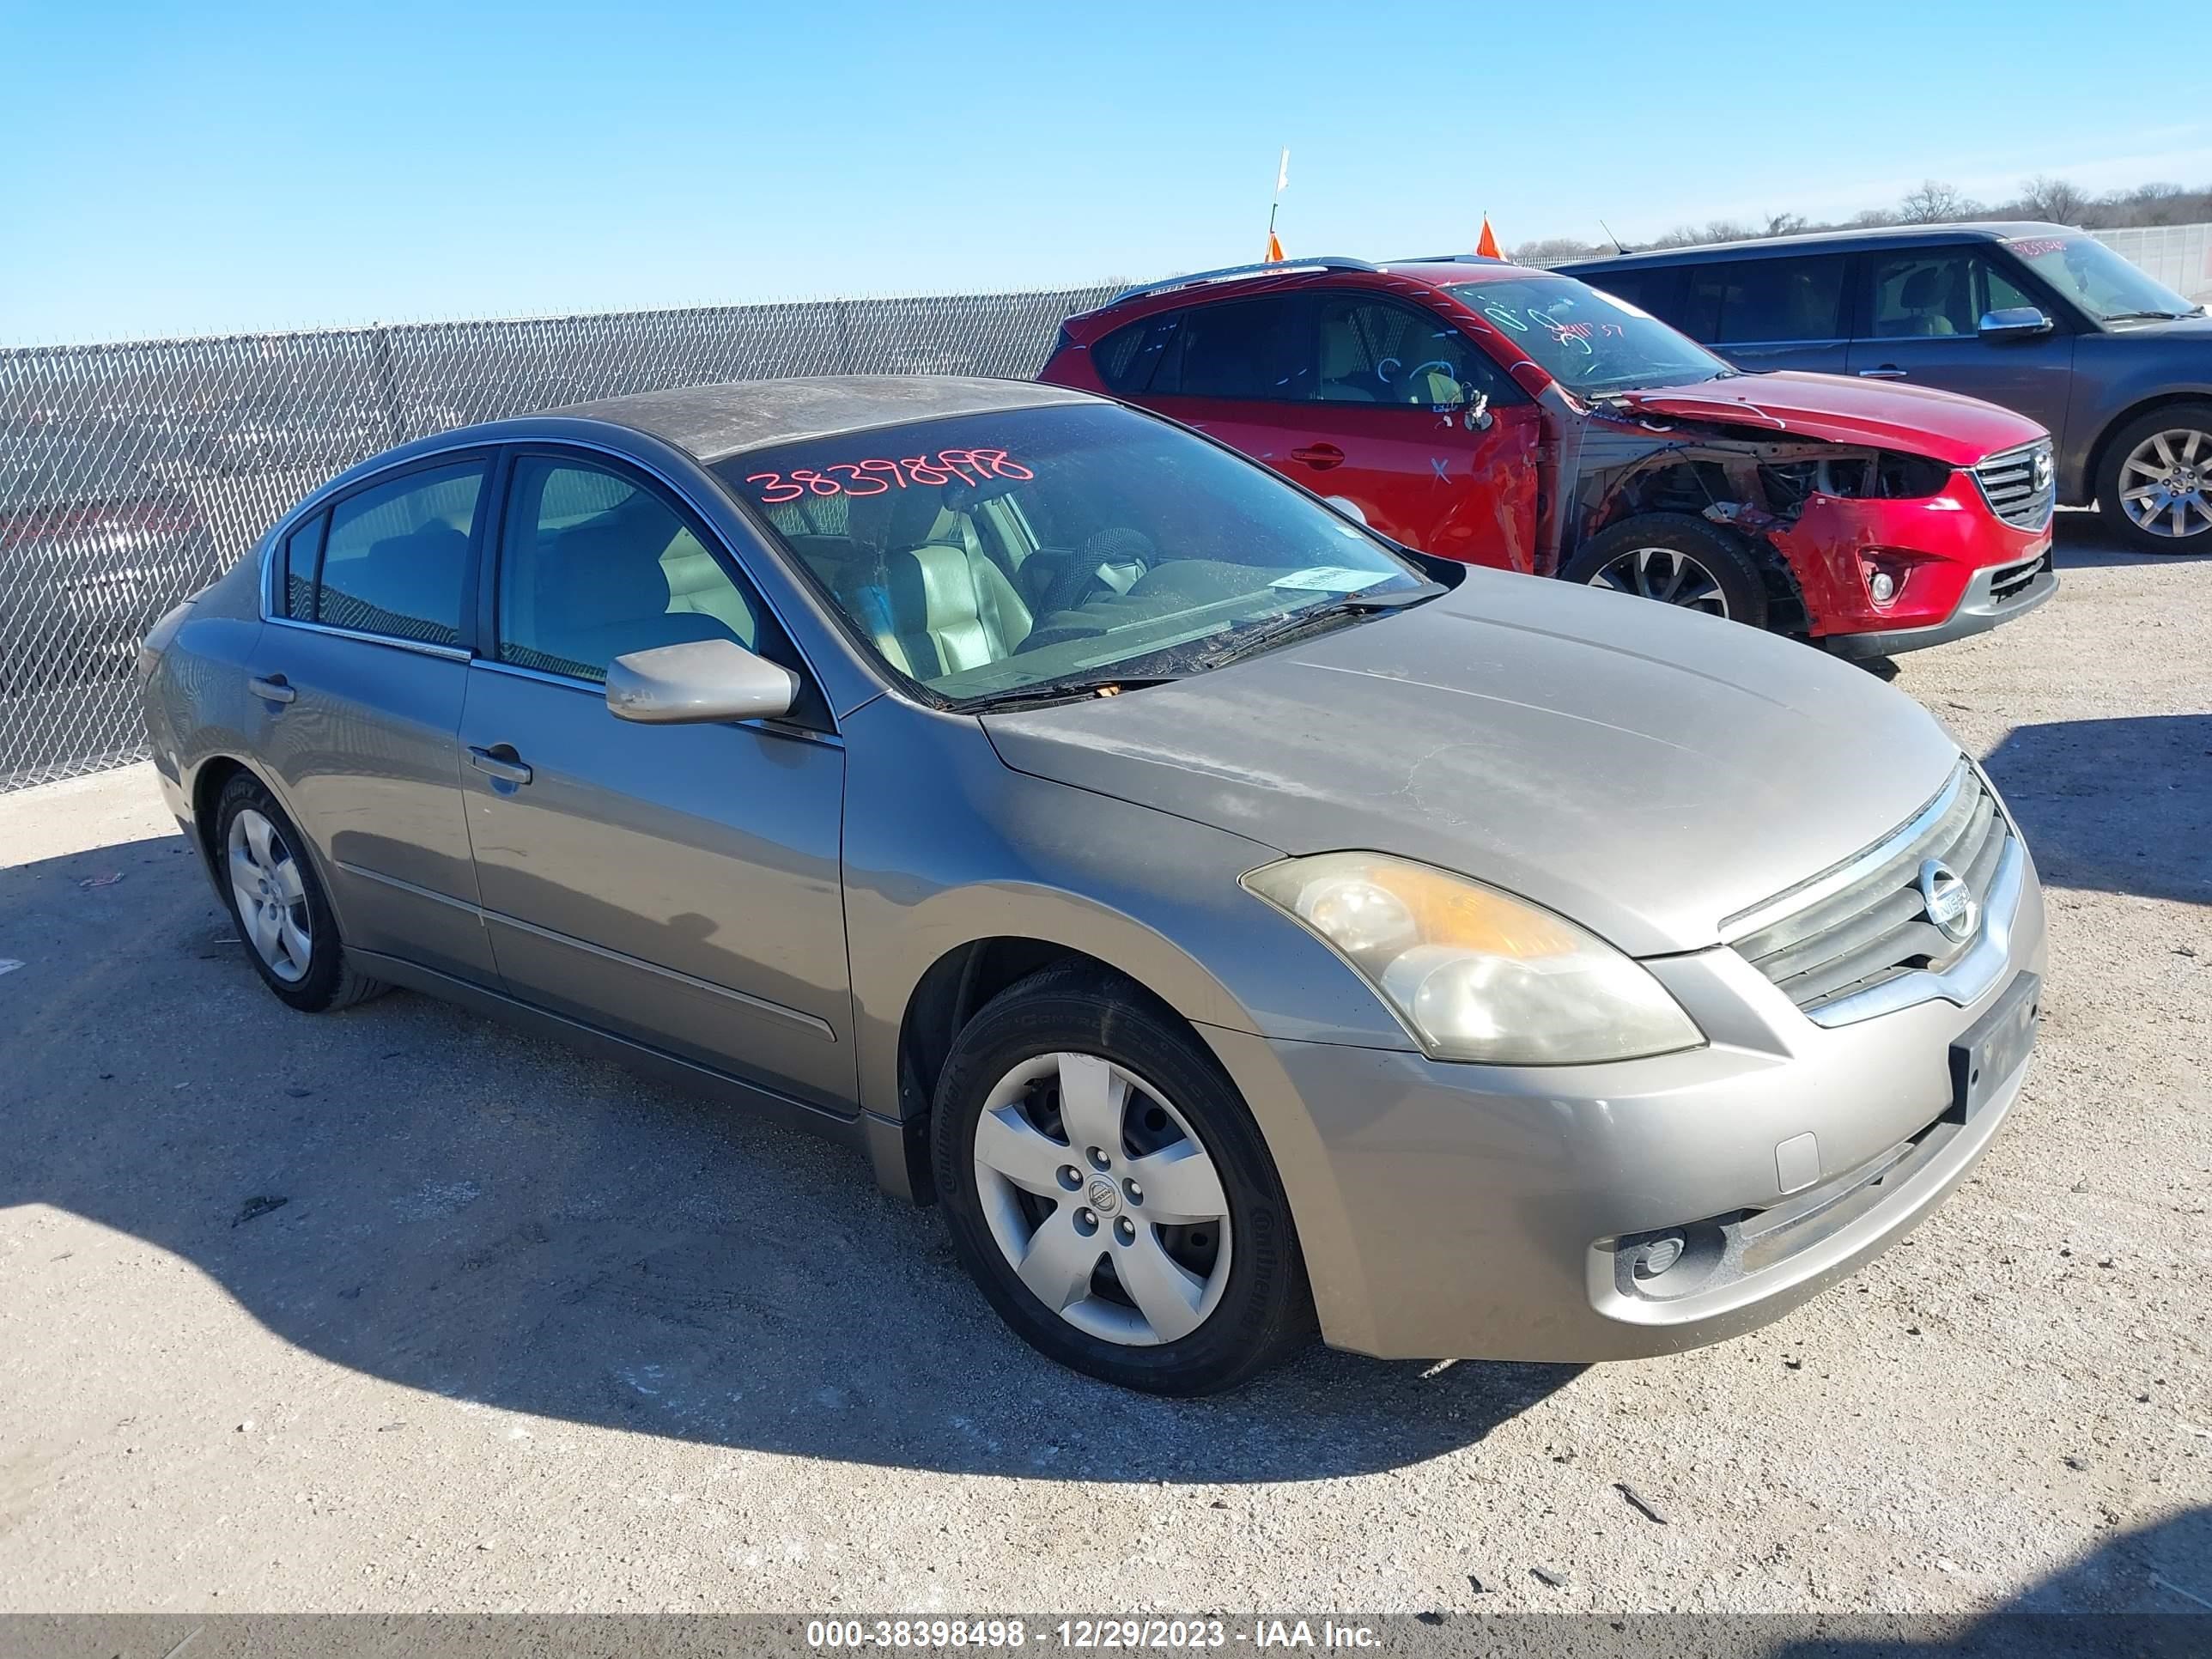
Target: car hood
<point>1940,425</point>
<point>1644,770</point>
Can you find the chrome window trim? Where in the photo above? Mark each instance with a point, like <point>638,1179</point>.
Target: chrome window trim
<point>1761,916</point>
<point>1966,980</point>
<point>421,647</point>
<point>318,500</point>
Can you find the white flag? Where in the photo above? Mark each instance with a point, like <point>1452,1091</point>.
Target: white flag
<point>1282,171</point>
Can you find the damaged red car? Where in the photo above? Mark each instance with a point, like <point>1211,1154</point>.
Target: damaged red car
<point>1508,417</point>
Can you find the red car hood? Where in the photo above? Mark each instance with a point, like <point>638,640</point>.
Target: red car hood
<point>1940,425</point>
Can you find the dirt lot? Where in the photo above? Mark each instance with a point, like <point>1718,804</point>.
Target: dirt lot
<point>528,1334</point>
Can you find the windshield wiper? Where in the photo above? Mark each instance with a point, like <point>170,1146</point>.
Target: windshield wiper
<point>2151,316</point>
<point>1067,690</point>
<point>1274,632</point>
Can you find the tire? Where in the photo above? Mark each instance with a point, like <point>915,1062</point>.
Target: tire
<point>1677,554</point>
<point>2134,461</point>
<point>1228,1301</point>
<point>275,899</point>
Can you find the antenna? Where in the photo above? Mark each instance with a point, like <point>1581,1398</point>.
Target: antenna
<point>1618,246</point>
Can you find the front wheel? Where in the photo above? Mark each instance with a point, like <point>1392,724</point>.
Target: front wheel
<point>1110,1192</point>
<point>1676,560</point>
<point>2155,485</point>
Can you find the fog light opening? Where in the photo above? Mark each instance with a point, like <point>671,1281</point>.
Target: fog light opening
<point>1656,1256</point>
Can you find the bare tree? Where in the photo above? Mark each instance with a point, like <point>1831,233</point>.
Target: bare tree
<point>1935,202</point>
<point>2054,199</point>
<point>1784,224</point>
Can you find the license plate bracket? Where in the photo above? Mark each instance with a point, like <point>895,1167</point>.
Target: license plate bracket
<point>1990,1049</point>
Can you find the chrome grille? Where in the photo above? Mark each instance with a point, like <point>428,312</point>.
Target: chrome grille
<point>1851,928</point>
<point>2021,485</point>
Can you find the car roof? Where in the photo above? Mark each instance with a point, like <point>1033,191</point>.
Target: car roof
<point>711,422</point>
<point>1875,236</point>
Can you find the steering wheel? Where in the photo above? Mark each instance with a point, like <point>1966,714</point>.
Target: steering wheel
<point>1126,553</point>
<point>1411,378</point>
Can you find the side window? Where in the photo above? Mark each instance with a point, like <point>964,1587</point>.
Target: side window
<point>1760,302</point>
<point>1641,287</point>
<point>1943,293</point>
<point>1246,349</point>
<point>302,548</point>
<point>398,554</point>
<point>592,566</point>
<point>1374,351</point>
<point>1121,358</point>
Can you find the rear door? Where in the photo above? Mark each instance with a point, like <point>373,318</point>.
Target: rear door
<point>1922,311</point>
<point>359,675</point>
<point>1437,445</point>
<point>1784,313</point>
<point>678,885</point>
<point>1243,371</point>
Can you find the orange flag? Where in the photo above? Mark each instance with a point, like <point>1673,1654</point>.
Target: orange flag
<point>1274,249</point>
<point>1487,244</point>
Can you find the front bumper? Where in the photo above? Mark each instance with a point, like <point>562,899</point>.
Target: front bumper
<point>1949,549</point>
<point>1480,1212</point>
<point>1999,594</point>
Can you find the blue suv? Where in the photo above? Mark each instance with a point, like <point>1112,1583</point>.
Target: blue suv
<point>2043,319</point>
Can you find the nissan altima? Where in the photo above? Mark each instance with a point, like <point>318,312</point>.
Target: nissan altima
<point>1239,925</point>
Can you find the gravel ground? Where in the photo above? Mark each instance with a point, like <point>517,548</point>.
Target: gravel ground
<point>528,1334</point>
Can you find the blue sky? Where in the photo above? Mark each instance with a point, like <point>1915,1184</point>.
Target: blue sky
<point>172,169</point>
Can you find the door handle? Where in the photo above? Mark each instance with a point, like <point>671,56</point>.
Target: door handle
<point>501,762</point>
<point>1887,372</point>
<point>1320,457</point>
<point>275,688</point>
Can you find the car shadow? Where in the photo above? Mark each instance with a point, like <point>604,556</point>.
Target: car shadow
<point>438,1201</point>
<point>2136,828</point>
<point>2143,1593</point>
<point>2083,539</point>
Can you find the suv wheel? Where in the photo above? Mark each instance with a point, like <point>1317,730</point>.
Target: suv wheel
<point>2156,488</point>
<point>1109,1191</point>
<point>1677,560</point>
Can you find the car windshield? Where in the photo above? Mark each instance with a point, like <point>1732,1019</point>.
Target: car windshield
<point>997,556</point>
<point>2099,280</point>
<point>1586,340</point>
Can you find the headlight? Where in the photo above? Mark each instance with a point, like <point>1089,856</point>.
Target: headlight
<point>1475,973</point>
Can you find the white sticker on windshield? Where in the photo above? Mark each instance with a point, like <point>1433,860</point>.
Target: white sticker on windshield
<point>1330,579</point>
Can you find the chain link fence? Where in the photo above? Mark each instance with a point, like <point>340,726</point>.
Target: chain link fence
<point>131,474</point>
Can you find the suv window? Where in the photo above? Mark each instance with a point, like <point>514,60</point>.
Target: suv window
<point>398,554</point>
<point>301,549</point>
<point>1761,302</point>
<point>1936,293</point>
<point>593,566</point>
<point>1375,351</point>
<point>1245,349</point>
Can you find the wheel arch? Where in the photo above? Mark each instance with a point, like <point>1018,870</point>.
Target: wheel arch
<point>2092,474</point>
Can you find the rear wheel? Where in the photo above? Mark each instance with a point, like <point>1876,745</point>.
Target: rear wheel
<point>283,918</point>
<point>1676,560</point>
<point>2155,487</point>
<point>1110,1193</point>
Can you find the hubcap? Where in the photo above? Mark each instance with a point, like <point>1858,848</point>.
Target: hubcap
<point>1663,574</point>
<point>1102,1199</point>
<point>272,903</point>
<point>2165,484</point>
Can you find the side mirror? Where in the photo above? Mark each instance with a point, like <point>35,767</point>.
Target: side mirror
<point>700,681</point>
<point>2015,323</point>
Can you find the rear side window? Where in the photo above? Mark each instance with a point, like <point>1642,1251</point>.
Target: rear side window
<point>1940,294</point>
<point>1374,351</point>
<point>398,554</point>
<point>302,548</point>
<point>1760,302</point>
<point>1244,350</point>
<point>1121,358</point>
<point>1645,289</point>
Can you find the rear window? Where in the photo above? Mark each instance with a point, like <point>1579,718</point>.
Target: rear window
<point>1756,302</point>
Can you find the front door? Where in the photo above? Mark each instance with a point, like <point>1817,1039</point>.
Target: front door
<point>1434,444</point>
<point>679,885</point>
<point>1922,325</point>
